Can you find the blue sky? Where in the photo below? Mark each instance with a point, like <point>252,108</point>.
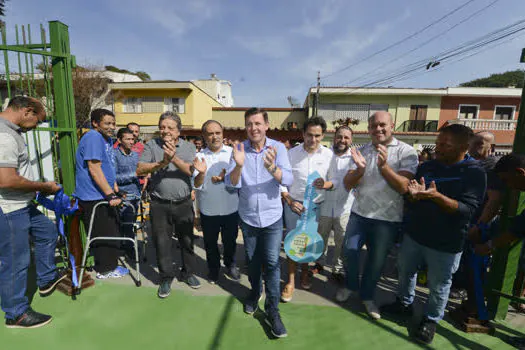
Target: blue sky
<point>273,49</point>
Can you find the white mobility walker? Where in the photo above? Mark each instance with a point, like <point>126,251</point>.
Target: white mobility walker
<point>90,240</point>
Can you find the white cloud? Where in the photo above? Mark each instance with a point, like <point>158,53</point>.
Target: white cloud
<point>268,46</point>
<point>175,16</point>
<point>341,51</point>
<point>325,14</point>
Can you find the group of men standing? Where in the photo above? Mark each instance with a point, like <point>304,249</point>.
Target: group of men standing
<point>374,196</point>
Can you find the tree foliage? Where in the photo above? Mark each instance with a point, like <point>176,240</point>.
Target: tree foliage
<point>142,75</point>
<point>511,78</point>
<point>2,8</point>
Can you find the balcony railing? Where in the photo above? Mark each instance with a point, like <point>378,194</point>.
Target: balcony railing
<point>486,124</point>
<point>418,125</point>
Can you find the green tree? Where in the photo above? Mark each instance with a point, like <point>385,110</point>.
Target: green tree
<point>143,75</point>
<point>510,78</point>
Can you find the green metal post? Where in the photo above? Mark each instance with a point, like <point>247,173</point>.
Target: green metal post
<point>505,261</point>
<point>64,102</point>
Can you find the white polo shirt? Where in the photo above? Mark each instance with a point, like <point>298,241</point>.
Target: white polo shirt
<point>303,164</point>
<point>374,198</point>
<point>338,201</point>
<point>216,198</point>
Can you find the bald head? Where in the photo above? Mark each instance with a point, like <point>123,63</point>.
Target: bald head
<point>380,115</point>
<point>480,146</point>
<point>380,128</point>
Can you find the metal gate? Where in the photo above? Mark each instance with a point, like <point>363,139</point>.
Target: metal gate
<point>43,69</point>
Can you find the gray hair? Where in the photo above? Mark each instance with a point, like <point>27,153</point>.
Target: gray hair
<point>173,116</point>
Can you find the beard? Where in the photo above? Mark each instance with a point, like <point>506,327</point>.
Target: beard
<point>340,149</point>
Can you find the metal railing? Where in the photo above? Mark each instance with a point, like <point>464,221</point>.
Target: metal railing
<point>418,126</point>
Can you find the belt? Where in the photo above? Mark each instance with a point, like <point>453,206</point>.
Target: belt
<point>168,201</point>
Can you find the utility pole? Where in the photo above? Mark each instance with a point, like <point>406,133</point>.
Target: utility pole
<point>316,110</point>
<point>506,260</point>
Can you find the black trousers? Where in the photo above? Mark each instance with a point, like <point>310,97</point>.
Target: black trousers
<point>106,223</point>
<point>228,227</point>
<point>167,219</point>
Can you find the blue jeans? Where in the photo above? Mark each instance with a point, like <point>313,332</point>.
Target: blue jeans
<point>262,245</point>
<point>379,236</point>
<point>441,267</point>
<point>16,230</point>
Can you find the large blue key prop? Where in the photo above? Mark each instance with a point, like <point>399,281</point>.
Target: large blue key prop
<point>304,244</point>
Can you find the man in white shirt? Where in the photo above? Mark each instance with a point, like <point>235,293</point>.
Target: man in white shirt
<point>380,175</point>
<point>337,204</point>
<point>305,158</point>
<point>217,203</point>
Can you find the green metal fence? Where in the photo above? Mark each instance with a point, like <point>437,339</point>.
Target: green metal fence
<point>41,66</point>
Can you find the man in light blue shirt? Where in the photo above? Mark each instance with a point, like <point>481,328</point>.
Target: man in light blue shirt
<point>258,167</point>
<point>217,203</point>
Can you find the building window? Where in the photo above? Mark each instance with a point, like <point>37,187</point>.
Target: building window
<point>133,105</point>
<point>175,104</point>
<point>504,112</point>
<point>361,112</point>
<point>153,105</point>
<point>468,112</point>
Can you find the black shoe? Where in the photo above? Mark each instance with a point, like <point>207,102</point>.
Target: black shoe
<point>213,277</point>
<point>425,332</point>
<point>29,319</point>
<point>397,309</point>
<point>273,319</point>
<point>164,289</point>
<point>250,307</point>
<point>192,281</point>
<point>233,274</point>
<point>49,288</point>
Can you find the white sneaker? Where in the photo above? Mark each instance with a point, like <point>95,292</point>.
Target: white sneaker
<point>343,294</point>
<point>371,309</point>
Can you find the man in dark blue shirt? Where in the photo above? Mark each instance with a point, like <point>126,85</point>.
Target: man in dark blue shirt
<point>95,182</point>
<point>441,202</point>
<point>126,161</point>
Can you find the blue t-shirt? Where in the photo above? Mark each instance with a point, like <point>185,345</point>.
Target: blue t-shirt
<point>93,146</point>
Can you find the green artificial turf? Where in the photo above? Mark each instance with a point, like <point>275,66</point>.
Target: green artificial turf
<point>111,316</point>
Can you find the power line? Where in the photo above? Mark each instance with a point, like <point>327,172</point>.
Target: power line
<point>461,49</point>
<point>473,47</point>
<point>462,21</point>
<point>400,41</point>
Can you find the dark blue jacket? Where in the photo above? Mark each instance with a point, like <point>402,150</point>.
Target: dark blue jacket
<point>430,225</point>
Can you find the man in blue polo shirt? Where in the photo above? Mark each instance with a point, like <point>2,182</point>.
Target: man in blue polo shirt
<point>95,182</point>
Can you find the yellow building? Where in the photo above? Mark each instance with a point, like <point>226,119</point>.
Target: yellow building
<point>144,102</point>
<point>412,109</point>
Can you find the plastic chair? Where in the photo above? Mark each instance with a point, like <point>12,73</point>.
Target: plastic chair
<point>90,240</point>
